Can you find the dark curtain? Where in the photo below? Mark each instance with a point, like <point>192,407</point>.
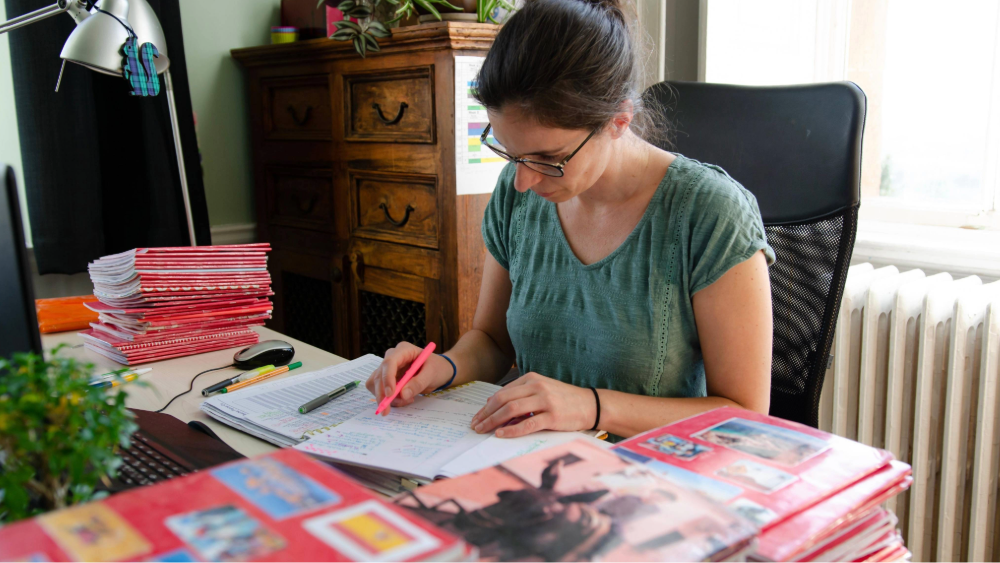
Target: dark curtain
<point>99,165</point>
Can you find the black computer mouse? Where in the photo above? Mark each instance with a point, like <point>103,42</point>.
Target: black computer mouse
<point>269,352</point>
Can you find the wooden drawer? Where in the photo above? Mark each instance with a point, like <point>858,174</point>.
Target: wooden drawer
<point>390,106</point>
<point>297,108</point>
<point>300,197</point>
<point>395,207</point>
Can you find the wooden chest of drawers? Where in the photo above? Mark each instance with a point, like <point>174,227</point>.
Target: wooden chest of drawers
<point>354,167</point>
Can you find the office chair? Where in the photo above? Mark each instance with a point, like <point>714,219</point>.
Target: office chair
<point>798,150</point>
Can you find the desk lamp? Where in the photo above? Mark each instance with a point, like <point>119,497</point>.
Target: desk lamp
<point>96,44</point>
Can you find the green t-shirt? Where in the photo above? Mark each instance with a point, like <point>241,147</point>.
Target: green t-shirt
<point>626,322</point>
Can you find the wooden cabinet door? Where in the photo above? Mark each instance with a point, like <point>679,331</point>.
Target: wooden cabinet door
<point>311,300</point>
<point>395,296</point>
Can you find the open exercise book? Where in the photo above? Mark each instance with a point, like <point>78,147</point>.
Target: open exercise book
<point>428,439</point>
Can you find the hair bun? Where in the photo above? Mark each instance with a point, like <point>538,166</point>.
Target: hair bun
<point>605,4</point>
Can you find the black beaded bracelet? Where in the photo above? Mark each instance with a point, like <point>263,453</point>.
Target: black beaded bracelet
<point>597,420</point>
<point>454,372</point>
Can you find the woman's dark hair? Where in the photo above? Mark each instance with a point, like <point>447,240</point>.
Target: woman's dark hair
<point>566,63</point>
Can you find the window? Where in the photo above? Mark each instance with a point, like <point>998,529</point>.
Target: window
<point>930,70</point>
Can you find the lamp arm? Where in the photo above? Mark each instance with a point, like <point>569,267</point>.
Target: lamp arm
<point>36,16</point>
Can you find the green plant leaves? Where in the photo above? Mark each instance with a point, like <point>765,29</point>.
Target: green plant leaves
<point>427,5</point>
<point>359,45</point>
<point>58,435</point>
<point>344,35</point>
<point>345,24</point>
<point>378,30</point>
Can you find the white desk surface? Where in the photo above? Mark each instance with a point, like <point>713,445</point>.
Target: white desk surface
<point>171,377</point>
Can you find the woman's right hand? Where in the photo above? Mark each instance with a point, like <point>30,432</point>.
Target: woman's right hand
<point>382,382</point>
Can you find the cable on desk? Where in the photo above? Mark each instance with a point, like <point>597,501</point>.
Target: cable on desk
<point>191,386</point>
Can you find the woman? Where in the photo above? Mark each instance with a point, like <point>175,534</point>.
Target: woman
<point>630,284</point>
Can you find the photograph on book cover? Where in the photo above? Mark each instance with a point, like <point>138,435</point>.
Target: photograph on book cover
<point>576,502</point>
<point>275,488</point>
<point>94,532</point>
<point>758,476</point>
<point>677,447</point>
<point>369,531</point>
<point>224,533</point>
<point>766,441</point>
<point>752,511</point>
<point>711,488</point>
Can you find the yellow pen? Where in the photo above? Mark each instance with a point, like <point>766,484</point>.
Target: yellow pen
<point>236,379</point>
<point>260,378</point>
<point>116,382</point>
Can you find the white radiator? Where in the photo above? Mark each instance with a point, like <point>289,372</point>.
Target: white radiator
<point>915,370</point>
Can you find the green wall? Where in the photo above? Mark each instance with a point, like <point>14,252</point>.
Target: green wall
<point>10,142</point>
<point>218,92</point>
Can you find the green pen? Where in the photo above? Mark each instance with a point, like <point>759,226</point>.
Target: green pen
<point>327,397</point>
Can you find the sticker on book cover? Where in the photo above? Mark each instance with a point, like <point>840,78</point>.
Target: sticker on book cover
<point>712,488</point>
<point>763,478</point>
<point>94,532</point>
<point>766,441</point>
<point>176,556</point>
<point>370,531</point>
<point>753,512</point>
<point>275,488</point>
<point>225,533</point>
<point>678,447</point>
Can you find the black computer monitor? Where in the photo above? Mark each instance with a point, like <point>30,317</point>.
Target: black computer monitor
<point>18,324</point>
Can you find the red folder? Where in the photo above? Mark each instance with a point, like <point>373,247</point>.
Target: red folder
<point>280,507</point>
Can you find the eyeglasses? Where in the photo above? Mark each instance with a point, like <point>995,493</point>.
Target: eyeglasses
<point>555,170</point>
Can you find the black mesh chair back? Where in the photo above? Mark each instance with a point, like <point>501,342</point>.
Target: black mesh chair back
<point>798,150</point>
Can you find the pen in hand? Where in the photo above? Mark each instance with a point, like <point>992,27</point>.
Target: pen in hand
<point>327,397</point>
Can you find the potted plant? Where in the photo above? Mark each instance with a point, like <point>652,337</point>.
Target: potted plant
<point>361,27</point>
<point>59,436</point>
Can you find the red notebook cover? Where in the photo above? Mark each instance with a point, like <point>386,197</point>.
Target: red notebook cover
<point>193,308</point>
<point>284,506</point>
<point>197,329</point>
<point>877,525</point>
<point>792,537</point>
<point>761,466</point>
<point>129,353</point>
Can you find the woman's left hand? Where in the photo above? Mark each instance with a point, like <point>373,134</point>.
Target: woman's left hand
<point>554,405</point>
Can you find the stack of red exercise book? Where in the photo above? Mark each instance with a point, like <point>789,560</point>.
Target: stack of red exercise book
<point>159,303</point>
<point>814,496</point>
<point>281,507</point>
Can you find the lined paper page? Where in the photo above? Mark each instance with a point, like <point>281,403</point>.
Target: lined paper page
<point>472,393</point>
<point>413,441</point>
<point>274,405</point>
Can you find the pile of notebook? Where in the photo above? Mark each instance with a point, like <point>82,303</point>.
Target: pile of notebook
<point>814,496</point>
<point>280,507</point>
<point>160,303</point>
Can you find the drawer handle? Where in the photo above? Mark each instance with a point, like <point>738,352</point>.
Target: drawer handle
<point>295,115</point>
<point>394,120</point>
<point>406,217</point>
<point>307,206</point>
<point>358,267</point>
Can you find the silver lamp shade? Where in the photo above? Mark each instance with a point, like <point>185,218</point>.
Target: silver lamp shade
<point>97,41</point>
